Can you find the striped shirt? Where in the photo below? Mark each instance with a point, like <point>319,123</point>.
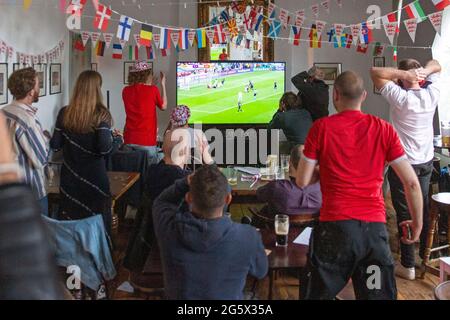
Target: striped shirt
<point>30,145</point>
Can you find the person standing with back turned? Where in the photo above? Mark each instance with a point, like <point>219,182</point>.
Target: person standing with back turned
<point>141,98</point>
<point>412,114</point>
<point>351,239</point>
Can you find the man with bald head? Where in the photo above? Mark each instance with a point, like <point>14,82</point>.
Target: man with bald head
<point>313,91</point>
<point>351,241</point>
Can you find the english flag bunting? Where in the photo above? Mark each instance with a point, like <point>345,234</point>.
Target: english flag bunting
<point>102,17</point>
<point>219,36</point>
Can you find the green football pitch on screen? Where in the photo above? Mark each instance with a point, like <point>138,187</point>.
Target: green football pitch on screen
<point>245,98</point>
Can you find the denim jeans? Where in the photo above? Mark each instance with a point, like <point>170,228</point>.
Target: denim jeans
<point>154,154</point>
<point>423,172</point>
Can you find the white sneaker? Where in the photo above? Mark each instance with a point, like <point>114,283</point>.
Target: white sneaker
<point>405,273</point>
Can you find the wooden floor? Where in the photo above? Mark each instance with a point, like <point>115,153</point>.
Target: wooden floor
<point>286,286</point>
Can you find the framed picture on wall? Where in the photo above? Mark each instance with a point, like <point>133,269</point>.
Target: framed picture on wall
<point>127,67</point>
<point>331,70</point>
<point>94,67</point>
<point>379,62</point>
<point>41,70</point>
<point>3,83</point>
<point>55,78</point>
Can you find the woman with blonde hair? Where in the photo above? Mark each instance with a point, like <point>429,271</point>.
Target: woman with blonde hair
<point>83,132</point>
<point>141,98</point>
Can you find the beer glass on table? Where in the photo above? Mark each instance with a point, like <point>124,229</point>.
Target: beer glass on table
<point>282,230</point>
<point>232,176</point>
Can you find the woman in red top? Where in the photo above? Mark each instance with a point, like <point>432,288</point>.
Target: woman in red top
<point>141,98</point>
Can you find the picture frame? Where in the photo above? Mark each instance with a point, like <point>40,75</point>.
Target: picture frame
<point>126,69</point>
<point>331,70</point>
<point>379,62</point>
<point>94,67</point>
<point>41,69</point>
<point>55,78</point>
<point>3,83</point>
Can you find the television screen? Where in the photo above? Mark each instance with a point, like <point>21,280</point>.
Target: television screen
<point>230,92</point>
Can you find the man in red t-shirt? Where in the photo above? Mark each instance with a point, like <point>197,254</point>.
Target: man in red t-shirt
<point>223,56</point>
<point>351,241</point>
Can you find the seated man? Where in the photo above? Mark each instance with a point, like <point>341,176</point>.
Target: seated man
<point>284,196</point>
<point>205,255</point>
<point>293,119</point>
<point>170,169</point>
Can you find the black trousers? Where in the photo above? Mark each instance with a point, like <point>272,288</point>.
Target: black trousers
<point>423,172</point>
<point>344,250</point>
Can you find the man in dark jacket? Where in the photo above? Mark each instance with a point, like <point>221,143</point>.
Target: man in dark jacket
<point>314,92</point>
<point>205,255</point>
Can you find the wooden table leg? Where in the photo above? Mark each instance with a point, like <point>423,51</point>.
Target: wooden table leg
<point>434,216</point>
<point>114,221</point>
<point>271,275</point>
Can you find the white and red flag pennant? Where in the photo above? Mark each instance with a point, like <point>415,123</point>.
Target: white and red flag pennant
<point>108,37</point>
<point>411,27</point>
<point>339,29</point>
<point>95,36</point>
<point>137,39</point>
<point>315,10</point>
<point>175,36</point>
<point>436,21</point>
<point>210,35</point>
<point>157,39</point>
<point>326,5</point>
<point>85,35</point>
<point>339,3</point>
<point>299,18</point>
<point>191,36</point>
<point>220,36</point>
<point>391,29</point>
<point>355,30</point>
<point>284,16</point>
<point>320,25</point>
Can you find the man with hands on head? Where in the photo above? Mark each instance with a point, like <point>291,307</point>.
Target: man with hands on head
<point>313,91</point>
<point>413,95</point>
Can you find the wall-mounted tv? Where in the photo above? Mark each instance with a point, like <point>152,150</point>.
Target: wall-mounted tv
<point>231,92</point>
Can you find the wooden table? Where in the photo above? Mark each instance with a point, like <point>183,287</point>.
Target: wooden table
<point>243,191</point>
<point>119,182</point>
<point>293,257</point>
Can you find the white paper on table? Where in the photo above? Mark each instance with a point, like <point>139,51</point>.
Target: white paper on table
<point>303,238</point>
<point>249,170</point>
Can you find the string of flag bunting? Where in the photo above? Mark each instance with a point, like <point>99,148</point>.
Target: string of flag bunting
<point>9,54</point>
<point>241,24</point>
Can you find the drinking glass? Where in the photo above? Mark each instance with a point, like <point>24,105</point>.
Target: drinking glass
<point>281,230</point>
<point>232,176</point>
<point>445,129</point>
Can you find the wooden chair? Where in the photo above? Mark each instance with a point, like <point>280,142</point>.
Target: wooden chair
<point>440,201</point>
<point>442,291</point>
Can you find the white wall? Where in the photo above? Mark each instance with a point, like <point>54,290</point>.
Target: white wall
<point>33,32</point>
<point>302,57</point>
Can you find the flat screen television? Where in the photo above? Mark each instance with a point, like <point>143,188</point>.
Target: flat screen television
<point>231,92</point>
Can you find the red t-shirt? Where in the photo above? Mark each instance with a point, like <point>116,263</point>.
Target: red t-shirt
<point>223,57</point>
<point>140,106</point>
<point>352,149</point>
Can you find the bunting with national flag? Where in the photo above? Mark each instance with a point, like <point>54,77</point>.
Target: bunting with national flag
<point>275,29</point>
<point>258,22</point>
<point>366,33</point>
<point>295,35</point>
<point>224,15</point>
<point>314,40</point>
<point>184,39</point>
<point>164,42</point>
<point>150,54</point>
<point>441,4</point>
<point>100,50</point>
<point>146,35</point>
<point>133,52</point>
<point>232,27</point>
<point>117,51</point>
<point>201,38</point>
<point>219,34</point>
<point>102,17</point>
<point>124,29</point>
<point>415,11</point>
